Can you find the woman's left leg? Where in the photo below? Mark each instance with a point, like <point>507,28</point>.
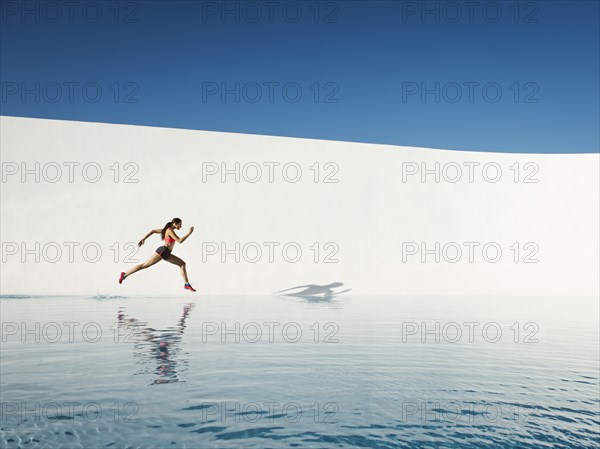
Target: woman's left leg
<point>154,258</point>
<point>151,261</point>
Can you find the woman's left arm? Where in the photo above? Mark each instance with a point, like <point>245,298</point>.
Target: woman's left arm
<point>183,239</point>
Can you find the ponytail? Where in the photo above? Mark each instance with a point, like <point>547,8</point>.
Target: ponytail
<point>169,225</point>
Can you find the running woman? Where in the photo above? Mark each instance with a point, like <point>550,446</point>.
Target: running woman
<point>168,235</point>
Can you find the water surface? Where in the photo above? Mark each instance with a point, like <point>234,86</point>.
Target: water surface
<point>376,372</point>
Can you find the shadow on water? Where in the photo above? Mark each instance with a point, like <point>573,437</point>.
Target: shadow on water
<point>316,294</point>
<point>157,350</point>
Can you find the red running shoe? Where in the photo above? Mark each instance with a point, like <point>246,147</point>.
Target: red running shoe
<point>189,287</point>
<point>122,277</point>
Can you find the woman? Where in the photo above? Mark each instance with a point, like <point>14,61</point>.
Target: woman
<point>168,235</point>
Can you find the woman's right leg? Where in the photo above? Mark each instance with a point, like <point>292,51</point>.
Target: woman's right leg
<point>153,259</point>
<point>181,264</point>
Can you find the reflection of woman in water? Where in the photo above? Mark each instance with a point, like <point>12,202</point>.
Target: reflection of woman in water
<point>163,344</point>
<point>168,235</point>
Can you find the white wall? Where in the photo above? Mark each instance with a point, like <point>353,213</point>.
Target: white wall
<point>369,213</point>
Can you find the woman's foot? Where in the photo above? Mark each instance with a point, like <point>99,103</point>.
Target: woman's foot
<point>189,287</point>
<point>122,278</point>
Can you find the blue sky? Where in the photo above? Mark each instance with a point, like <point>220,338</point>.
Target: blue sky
<point>495,76</point>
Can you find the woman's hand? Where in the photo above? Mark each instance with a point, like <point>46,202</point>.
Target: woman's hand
<point>141,242</point>
<point>191,229</point>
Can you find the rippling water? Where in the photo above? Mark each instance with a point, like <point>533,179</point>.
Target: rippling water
<point>377,372</point>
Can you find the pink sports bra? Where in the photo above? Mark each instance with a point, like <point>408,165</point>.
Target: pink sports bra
<point>169,239</point>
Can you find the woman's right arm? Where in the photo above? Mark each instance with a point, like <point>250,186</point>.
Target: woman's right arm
<point>152,231</point>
